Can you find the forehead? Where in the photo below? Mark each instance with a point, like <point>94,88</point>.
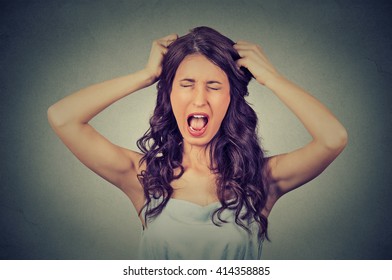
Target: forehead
<point>199,67</point>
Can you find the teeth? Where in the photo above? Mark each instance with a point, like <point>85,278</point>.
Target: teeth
<point>197,122</point>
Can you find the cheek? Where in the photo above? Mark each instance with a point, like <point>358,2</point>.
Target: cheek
<point>172,101</point>
<point>223,104</point>
<point>177,104</point>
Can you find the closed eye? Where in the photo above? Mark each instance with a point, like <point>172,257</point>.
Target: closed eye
<point>187,82</point>
<point>214,85</point>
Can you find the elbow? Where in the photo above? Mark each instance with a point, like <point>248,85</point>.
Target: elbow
<point>54,117</point>
<point>50,115</point>
<point>338,140</point>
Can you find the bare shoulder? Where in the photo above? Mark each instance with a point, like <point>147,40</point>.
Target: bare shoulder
<point>286,172</point>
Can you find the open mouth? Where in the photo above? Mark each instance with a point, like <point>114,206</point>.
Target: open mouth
<point>197,122</point>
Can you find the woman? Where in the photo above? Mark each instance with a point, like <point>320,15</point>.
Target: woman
<point>202,185</point>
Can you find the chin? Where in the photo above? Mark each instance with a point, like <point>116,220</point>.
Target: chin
<point>198,141</point>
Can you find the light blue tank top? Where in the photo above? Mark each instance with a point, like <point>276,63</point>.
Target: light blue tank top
<point>184,230</point>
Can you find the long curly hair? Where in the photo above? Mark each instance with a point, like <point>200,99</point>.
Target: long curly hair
<point>236,155</point>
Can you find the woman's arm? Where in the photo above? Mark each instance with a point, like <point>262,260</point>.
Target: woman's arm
<point>69,118</point>
<point>289,171</point>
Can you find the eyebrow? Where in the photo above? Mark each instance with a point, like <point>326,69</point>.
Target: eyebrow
<point>193,81</point>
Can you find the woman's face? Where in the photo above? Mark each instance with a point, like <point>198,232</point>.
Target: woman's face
<point>200,97</point>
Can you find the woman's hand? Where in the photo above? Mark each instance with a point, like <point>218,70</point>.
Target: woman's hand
<point>254,59</point>
<point>158,50</point>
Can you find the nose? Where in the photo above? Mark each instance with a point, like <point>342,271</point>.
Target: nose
<point>200,97</point>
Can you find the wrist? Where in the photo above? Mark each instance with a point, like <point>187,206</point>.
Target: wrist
<point>148,77</point>
<point>274,80</point>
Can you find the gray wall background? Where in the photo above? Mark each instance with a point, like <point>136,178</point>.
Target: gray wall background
<point>52,207</point>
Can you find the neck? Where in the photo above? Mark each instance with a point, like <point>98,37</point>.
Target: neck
<point>196,157</point>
